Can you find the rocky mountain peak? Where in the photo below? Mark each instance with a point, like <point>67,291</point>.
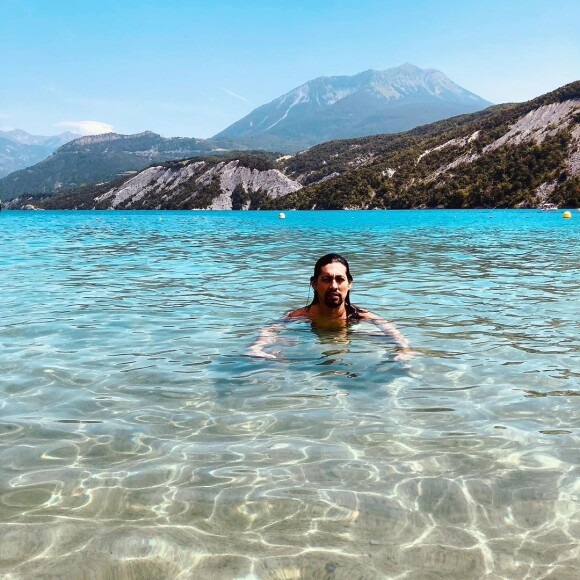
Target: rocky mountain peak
<point>367,103</point>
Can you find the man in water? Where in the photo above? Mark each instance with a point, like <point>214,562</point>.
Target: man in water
<point>331,307</point>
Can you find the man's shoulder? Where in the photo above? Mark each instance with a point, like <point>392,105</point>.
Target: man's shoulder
<point>299,312</point>
<point>365,314</point>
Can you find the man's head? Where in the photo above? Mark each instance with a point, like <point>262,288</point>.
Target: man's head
<point>331,281</point>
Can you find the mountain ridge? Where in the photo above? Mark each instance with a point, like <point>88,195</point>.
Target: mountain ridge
<point>99,158</point>
<point>330,107</point>
<point>512,155</point>
<point>369,102</point>
<point>19,149</point>
<point>25,138</point>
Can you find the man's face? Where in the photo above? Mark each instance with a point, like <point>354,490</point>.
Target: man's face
<point>332,285</point>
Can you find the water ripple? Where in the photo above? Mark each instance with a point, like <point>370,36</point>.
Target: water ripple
<point>139,439</point>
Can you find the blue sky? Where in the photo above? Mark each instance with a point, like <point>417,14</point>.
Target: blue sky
<point>191,68</point>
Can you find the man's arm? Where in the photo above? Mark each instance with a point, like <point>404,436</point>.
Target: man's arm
<point>269,335</point>
<point>404,351</point>
<point>266,338</point>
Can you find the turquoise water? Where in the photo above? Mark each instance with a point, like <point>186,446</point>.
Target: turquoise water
<point>139,440</point>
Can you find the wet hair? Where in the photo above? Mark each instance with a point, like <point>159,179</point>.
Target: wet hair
<point>320,263</point>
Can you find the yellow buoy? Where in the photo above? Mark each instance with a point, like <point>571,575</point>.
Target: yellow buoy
<point>281,215</point>
<point>566,214</point>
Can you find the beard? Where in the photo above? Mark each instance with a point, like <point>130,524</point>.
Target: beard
<point>333,299</point>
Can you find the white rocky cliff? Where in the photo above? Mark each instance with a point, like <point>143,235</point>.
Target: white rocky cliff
<point>167,182</point>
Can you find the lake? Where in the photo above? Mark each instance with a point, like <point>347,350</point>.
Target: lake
<point>138,438</point>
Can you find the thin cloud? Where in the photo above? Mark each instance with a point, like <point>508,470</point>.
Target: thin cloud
<point>236,96</point>
<point>87,127</point>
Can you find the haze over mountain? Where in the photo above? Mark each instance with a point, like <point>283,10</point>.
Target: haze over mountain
<point>368,103</point>
<point>19,149</point>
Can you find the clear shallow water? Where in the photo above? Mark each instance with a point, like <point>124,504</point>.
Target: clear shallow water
<point>138,439</point>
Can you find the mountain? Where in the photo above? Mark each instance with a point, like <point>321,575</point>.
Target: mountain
<point>24,138</point>
<point>512,155</point>
<point>368,103</point>
<point>239,180</point>
<point>99,158</point>
<point>324,109</point>
<point>19,149</point>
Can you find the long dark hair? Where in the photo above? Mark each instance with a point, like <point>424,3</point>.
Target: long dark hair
<point>320,263</point>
